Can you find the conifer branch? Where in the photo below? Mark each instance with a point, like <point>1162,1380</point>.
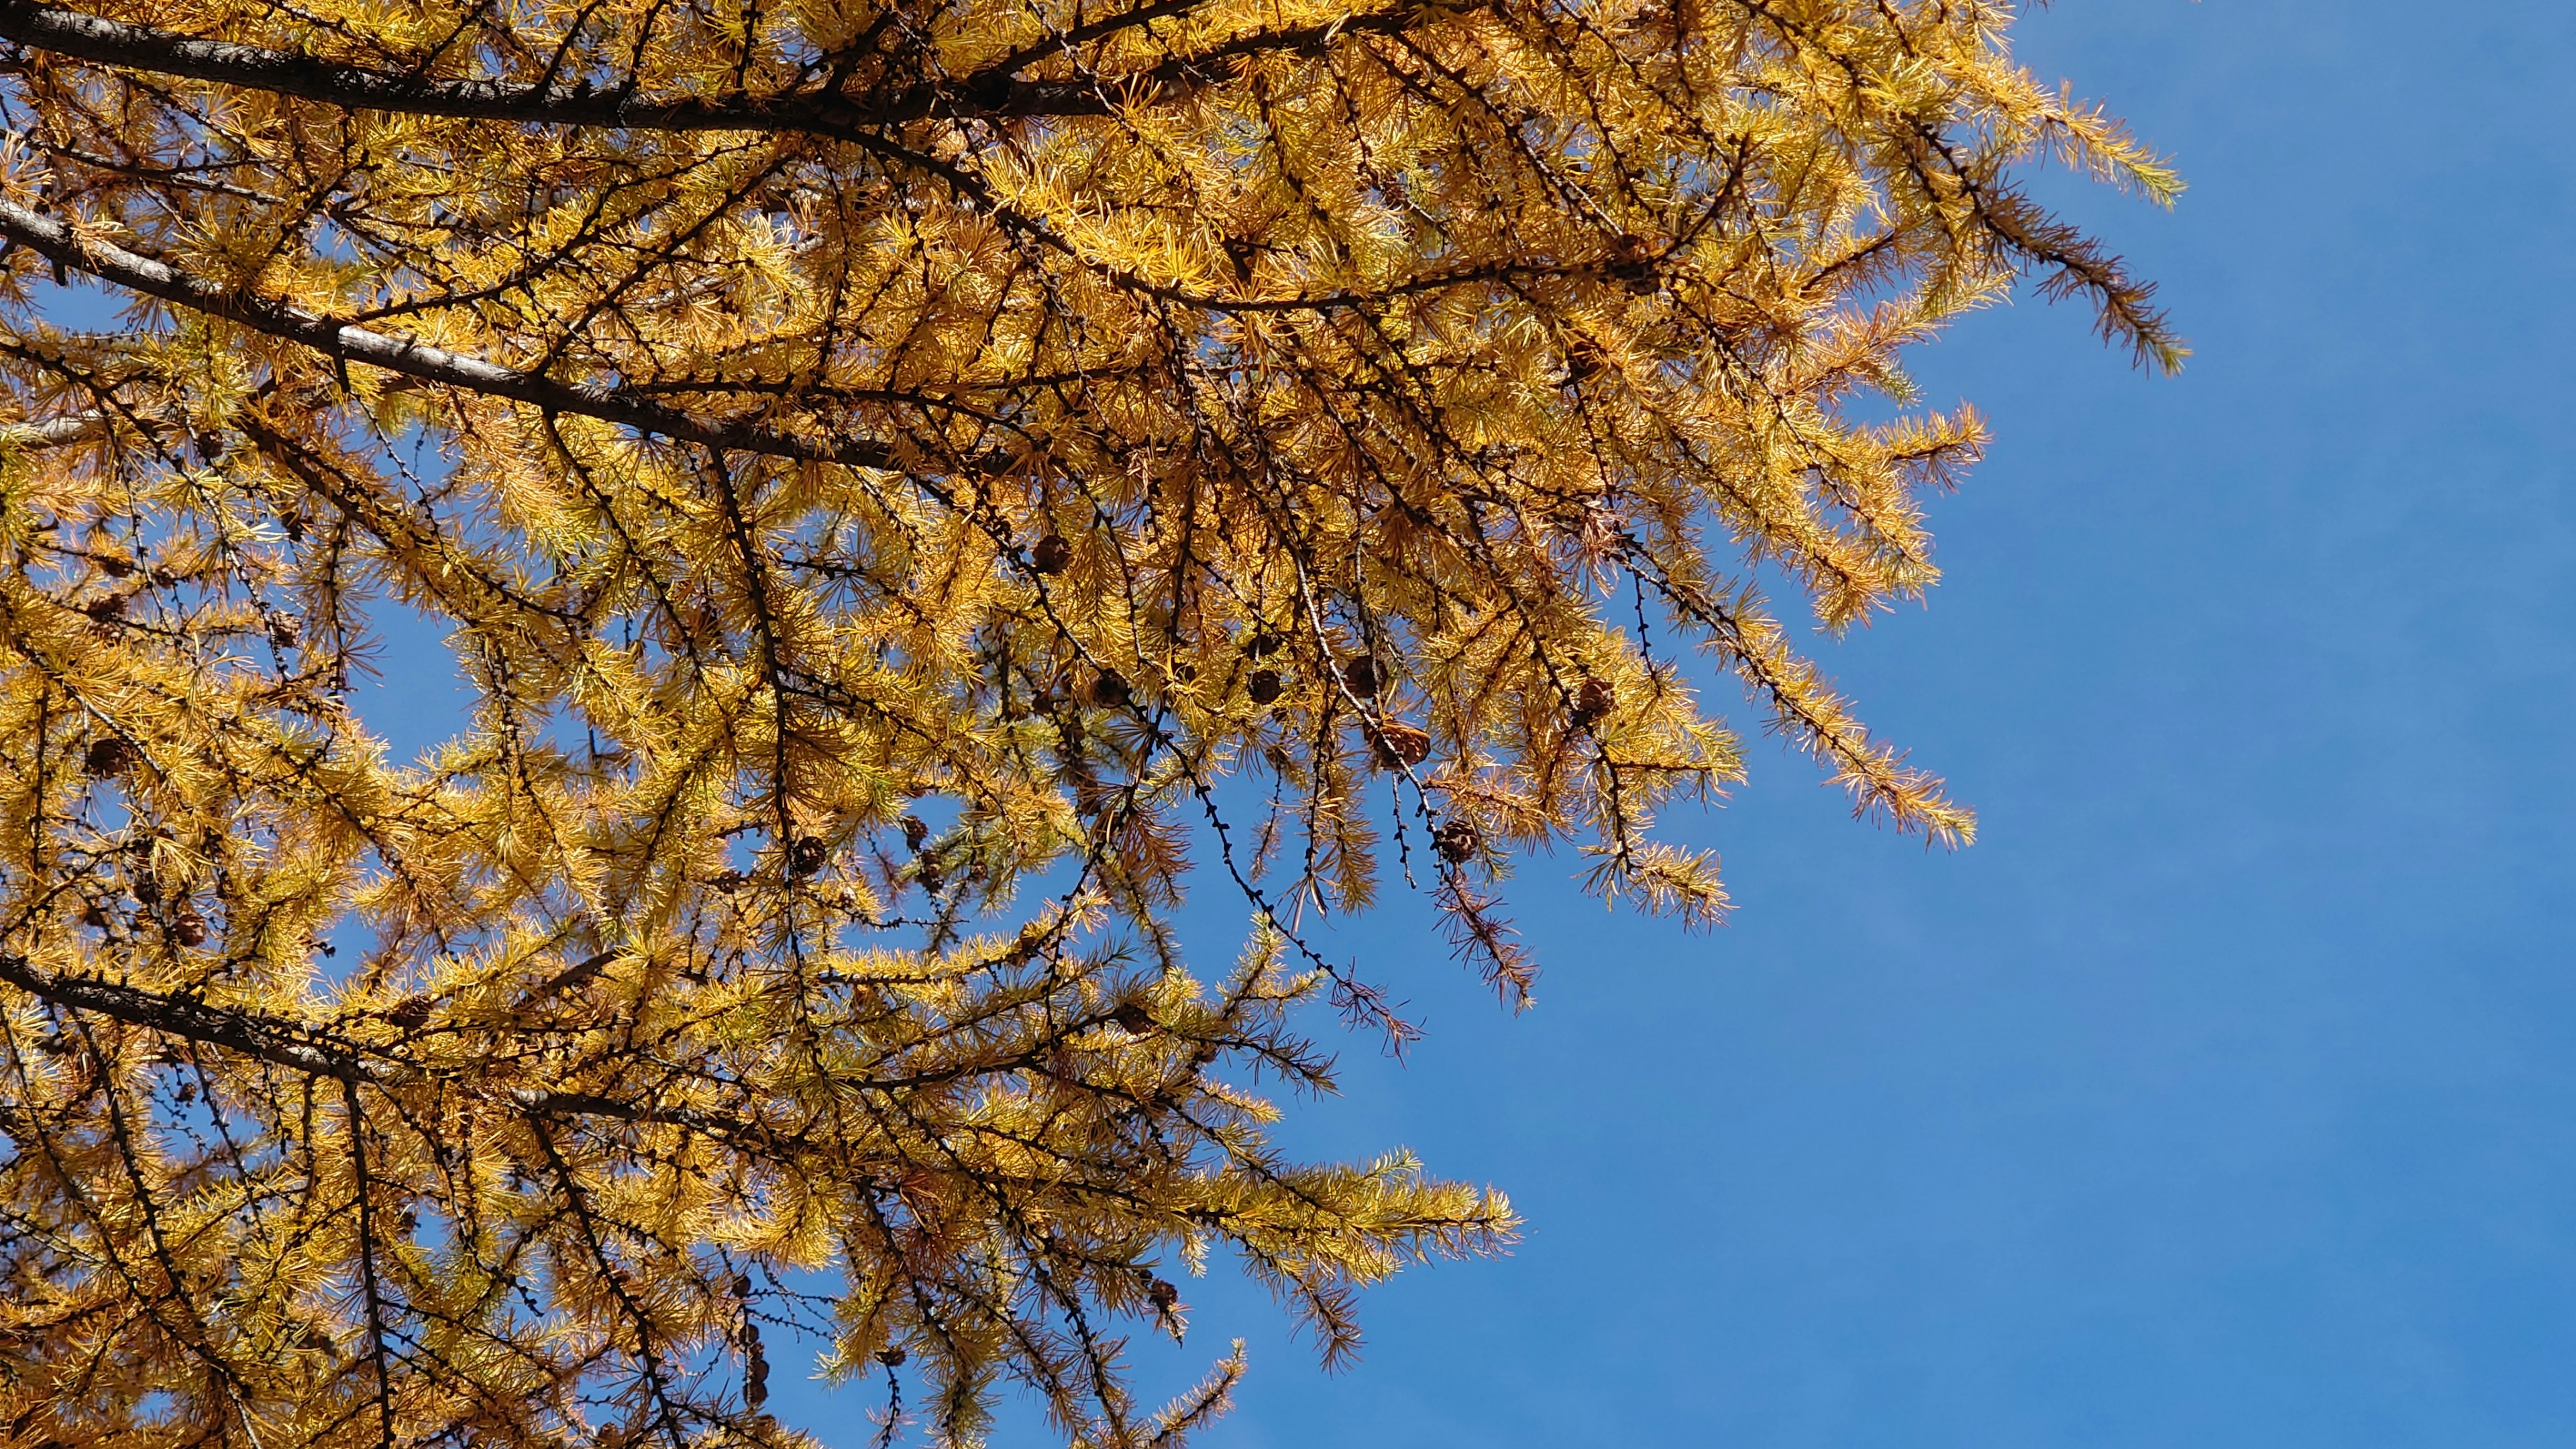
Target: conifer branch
<point>59,241</point>
<point>992,93</point>
<point>553,102</point>
<point>281,1043</point>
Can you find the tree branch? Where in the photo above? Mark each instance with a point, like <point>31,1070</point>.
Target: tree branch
<point>265,1038</point>
<point>551,102</point>
<point>289,1045</point>
<point>55,240</point>
<point>988,93</point>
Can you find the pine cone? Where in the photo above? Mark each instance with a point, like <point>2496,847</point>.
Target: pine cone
<point>805,855</point>
<point>1401,744</point>
<point>1592,700</point>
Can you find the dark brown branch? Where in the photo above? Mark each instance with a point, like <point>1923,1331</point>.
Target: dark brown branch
<point>265,1038</point>
<point>55,240</point>
<point>550,102</point>
<point>286,1044</point>
<point>990,93</point>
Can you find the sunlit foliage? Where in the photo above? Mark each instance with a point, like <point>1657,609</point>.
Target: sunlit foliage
<point>908,489</point>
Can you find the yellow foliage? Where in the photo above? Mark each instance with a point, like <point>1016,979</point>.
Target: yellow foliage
<point>905,485</point>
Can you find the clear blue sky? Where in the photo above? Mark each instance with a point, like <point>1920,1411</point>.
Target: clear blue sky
<point>2226,1093</point>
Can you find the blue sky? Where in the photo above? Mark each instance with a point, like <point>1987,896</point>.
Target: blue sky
<point>2225,1094</point>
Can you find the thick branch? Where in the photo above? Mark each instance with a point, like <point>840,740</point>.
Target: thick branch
<point>553,103</point>
<point>267,1039</point>
<point>989,93</point>
<point>57,241</point>
<point>286,1044</point>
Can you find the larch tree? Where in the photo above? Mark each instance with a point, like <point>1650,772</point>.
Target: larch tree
<point>905,485</point>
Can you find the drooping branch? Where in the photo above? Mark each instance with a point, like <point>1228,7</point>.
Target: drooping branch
<point>992,93</point>
<point>549,103</point>
<point>56,240</point>
<point>291,1045</point>
<point>265,1038</point>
